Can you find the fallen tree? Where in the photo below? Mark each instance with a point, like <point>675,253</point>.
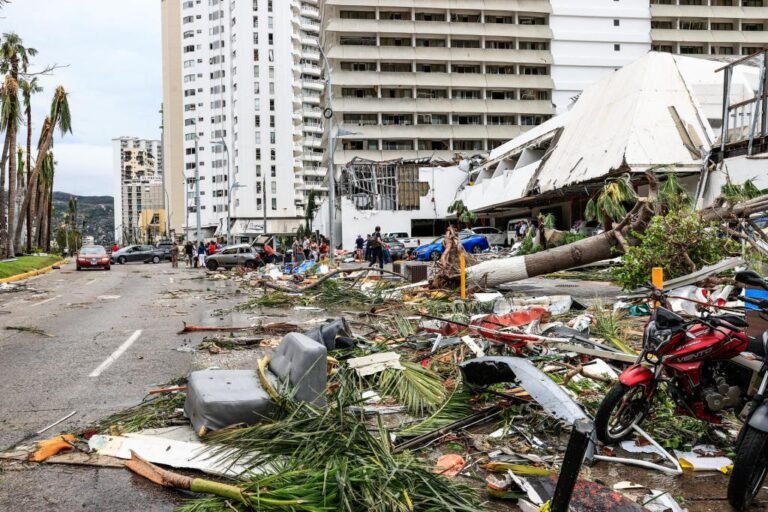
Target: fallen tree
<point>606,245</point>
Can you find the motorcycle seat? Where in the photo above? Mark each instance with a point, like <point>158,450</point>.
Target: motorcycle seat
<point>756,346</point>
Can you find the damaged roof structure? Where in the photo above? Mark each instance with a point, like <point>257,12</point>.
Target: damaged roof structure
<point>660,111</point>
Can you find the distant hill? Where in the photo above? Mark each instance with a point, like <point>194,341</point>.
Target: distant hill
<point>96,211</point>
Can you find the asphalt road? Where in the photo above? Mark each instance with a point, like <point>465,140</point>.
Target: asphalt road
<point>113,337</point>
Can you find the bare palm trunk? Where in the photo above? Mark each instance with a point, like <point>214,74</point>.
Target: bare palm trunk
<point>46,141</point>
<point>31,209</point>
<point>12,180</point>
<point>3,161</point>
<point>48,216</point>
<point>42,209</point>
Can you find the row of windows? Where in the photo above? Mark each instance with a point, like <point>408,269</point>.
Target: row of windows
<point>436,67</point>
<point>703,24</point>
<point>434,144</point>
<point>714,3</point>
<point>430,119</point>
<point>496,44</point>
<point>454,93</point>
<point>455,17</point>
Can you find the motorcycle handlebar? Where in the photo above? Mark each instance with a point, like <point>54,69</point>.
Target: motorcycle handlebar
<point>761,303</point>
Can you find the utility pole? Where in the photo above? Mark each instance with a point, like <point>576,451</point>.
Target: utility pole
<point>264,197</point>
<point>328,115</point>
<point>197,189</point>
<point>229,190</point>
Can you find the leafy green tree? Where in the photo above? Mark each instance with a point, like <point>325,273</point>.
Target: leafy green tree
<point>28,89</point>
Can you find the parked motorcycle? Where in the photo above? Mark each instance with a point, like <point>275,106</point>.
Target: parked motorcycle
<point>751,464</point>
<point>699,361</point>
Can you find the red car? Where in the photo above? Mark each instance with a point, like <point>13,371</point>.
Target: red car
<point>93,256</point>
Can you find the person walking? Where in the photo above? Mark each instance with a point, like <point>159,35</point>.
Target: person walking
<point>313,249</point>
<point>115,247</point>
<point>175,255</point>
<point>201,255</point>
<point>359,244</point>
<point>305,247</point>
<point>376,246</point>
<point>211,248</point>
<point>296,250</point>
<point>188,253</point>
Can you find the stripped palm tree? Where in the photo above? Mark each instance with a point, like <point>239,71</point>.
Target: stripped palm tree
<point>28,88</point>
<point>45,202</point>
<point>61,118</point>
<point>10,115</point>
<point>14,57</point>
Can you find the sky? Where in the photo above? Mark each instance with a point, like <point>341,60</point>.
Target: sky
<point>113,75</point>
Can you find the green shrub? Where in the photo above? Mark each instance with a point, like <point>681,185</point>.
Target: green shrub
<point>667,241</point>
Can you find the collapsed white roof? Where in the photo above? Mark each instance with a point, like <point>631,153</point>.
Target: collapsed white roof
<point>644,115</point>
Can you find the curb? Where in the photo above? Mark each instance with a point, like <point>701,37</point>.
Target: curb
<point>32,273</point>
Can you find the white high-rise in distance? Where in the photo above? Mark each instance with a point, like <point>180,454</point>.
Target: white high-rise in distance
<point>250,89</point>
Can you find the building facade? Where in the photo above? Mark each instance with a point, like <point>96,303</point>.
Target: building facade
<point>250,94</point>
<point>709,27</point>
<point>416,80</point>
<point>173,115</point>
<point>137,165</point>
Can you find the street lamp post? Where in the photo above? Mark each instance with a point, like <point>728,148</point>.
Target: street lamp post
<point>229,193</point>
<point>328,115</point>
<point>167,214</point>
<point>197,189</point>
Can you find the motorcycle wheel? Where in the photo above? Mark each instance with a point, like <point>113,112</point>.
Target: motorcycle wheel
<point>621,409</point>
<point>749,469</point>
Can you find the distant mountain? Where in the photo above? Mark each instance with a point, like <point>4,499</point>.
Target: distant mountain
<point>96,211</point>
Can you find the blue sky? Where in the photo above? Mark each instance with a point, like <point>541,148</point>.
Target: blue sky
<point>114,78</point>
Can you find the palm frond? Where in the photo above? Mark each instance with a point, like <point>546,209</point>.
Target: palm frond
<point>456,407</point>
<point>416,387</point>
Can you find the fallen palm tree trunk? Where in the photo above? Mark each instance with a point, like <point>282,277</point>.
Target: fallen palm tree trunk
<point>600,247</point>
<point>590,250</point>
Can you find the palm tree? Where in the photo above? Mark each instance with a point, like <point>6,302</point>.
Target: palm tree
<point>28,88</point>
<point>60,117</point>
<point>10,115</point>
<point>609,203</point>
<point>44,201</point>
<point>14,57</point>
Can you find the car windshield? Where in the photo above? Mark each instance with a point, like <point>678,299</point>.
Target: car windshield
<point>92,251</point>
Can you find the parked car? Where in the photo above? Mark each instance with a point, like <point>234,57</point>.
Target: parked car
<point>165,246</point>
<point>495,236</point>
<point>242,255</point>
<point>93,256</point>
<point>396,248</point>
<point>405,239</point>
<point>143,253</point>
<point>472,243</point>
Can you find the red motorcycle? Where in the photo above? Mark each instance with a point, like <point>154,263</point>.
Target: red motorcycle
<point>700,362</point>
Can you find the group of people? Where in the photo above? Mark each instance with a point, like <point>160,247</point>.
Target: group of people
<point>194,253</point>
<point>371,249</point>
<point>313,248</point>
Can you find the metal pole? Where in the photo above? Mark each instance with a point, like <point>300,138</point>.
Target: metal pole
<point>569,470</point>
<point>229,191</point>
<point>328,115</point>
<point>264,197</point>
<point>197,190</point>
<point>186,206</point>
<point>167,214</point>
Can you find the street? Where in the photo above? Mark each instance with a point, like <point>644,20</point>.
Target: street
<point>113,337</point>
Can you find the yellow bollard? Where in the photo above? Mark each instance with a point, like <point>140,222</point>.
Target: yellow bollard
<point>657,279</point>
<point>463,269</point>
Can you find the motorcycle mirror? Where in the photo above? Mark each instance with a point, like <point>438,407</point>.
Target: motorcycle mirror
<point>765,344</point>
<point>751,278</point>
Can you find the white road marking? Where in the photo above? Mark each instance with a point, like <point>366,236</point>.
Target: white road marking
<point>45,301</point>
<point>171,280</point>
<point>89,283</point>
<point>117,353</point>
<point>108,297</point>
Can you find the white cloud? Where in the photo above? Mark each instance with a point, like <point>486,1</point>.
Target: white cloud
<point>83,169</point>
<point>114,77</point>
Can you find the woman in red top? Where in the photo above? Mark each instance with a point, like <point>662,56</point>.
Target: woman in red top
<point>211,247</point>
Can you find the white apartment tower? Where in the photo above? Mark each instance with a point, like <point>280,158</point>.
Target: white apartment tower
<point>138,184</point>
<point>251,94</point>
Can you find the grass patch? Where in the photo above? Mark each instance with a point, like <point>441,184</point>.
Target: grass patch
<point>25,264</point>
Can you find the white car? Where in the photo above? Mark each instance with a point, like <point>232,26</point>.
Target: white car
<point>495,236</point>
<point>403,238</point>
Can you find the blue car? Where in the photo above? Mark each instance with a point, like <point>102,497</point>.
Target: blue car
<point>472,243</point>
